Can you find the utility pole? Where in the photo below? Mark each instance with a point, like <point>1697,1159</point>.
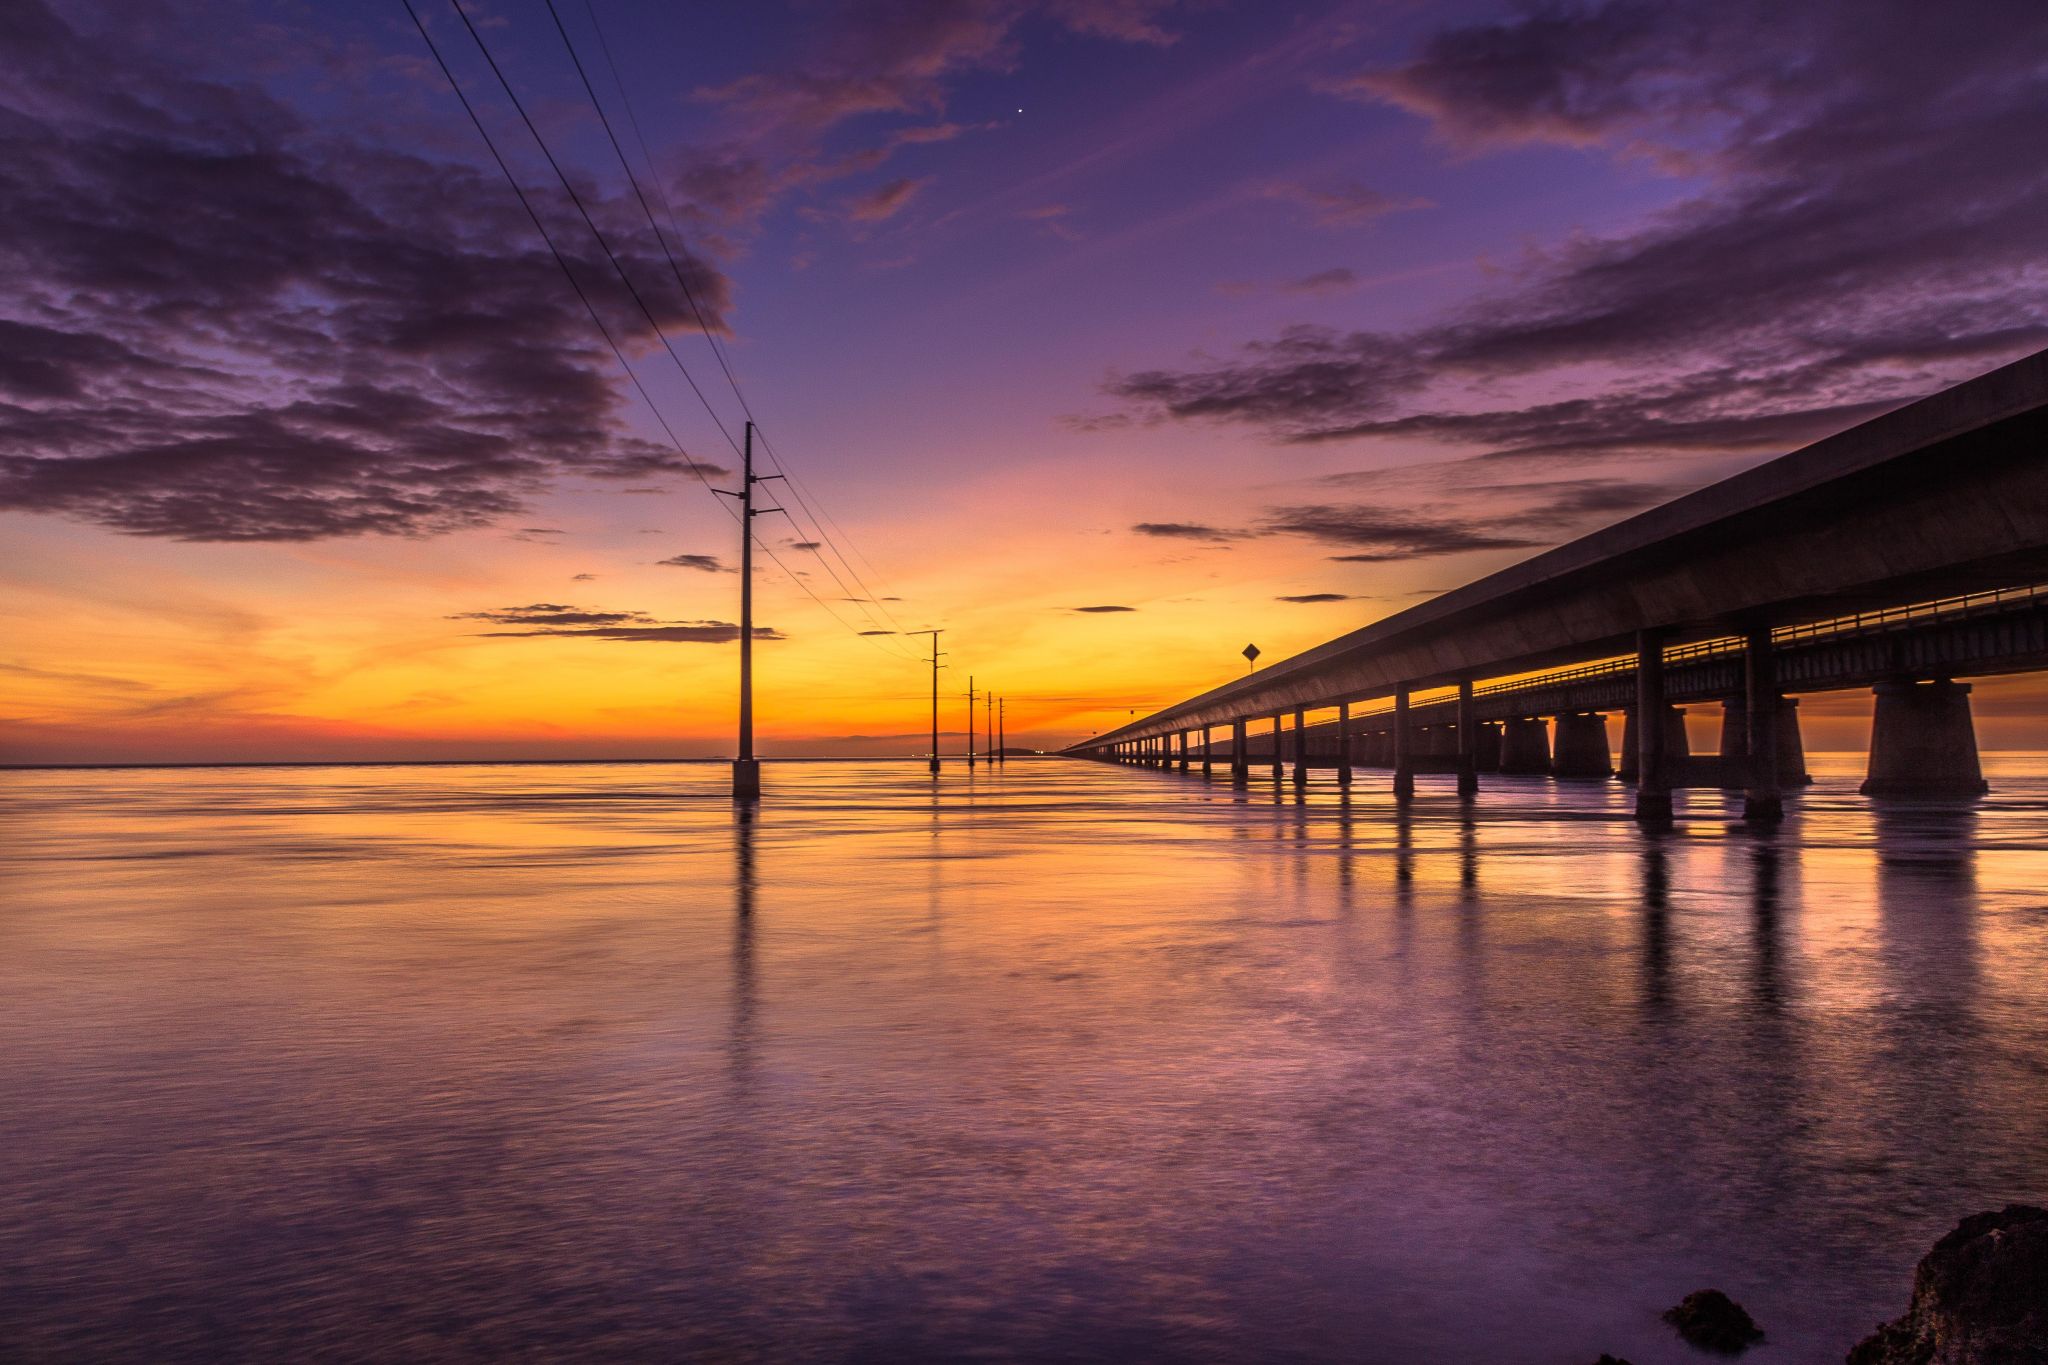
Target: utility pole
<point>988,704</point>
<point>746,769</point>
<point>971,694</point>
<point>936,656</point>
<point>1003,730</point>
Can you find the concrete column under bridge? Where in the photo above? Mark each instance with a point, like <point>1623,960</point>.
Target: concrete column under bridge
<point>1923,742</point>
<point>1486,747</point>
<point>1240,754</point>
<point>1734,749</point>
<point>1581,748</point>
<point>1404,762</point>
<point>1677,748</point>
<point>1525,746</point>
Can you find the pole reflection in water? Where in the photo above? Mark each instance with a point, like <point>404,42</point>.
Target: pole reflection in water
<point>581,1062</point>
<point>744,885</point>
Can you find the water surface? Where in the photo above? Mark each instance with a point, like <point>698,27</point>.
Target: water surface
<point>1060,1061</point>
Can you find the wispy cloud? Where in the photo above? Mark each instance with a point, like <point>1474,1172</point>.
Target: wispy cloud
<point>1348,205</point>
<point>557,620</point>
<point>702,563</point>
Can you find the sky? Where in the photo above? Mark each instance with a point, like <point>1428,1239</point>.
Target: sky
<point>1106,335</point>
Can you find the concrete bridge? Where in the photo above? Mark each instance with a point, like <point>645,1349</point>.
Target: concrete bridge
<point>1898,556</point>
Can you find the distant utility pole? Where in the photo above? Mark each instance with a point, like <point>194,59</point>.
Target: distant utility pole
<point>936,656</point>
<point>988,711</point>
<point>1002,730</point>
<point>746,769</point>
<point>970,720</point>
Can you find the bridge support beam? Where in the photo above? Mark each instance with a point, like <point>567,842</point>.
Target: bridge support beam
<point>1923,743</point>
<point>1343,743</point>
<point>1300,747</point>
<point>1581,748</point>
<point>1240,754</point>
<point>1524,746</point>
<point>1404,753</point>
<point>1468,742</point>
<point>1279,753</point>
<point>1208,750</point>
<point>1653,779</point>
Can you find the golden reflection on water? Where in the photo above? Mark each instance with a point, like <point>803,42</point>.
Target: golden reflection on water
<point>1054,1060</point>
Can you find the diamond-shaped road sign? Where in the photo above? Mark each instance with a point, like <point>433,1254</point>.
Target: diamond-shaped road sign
<point>1251,653</point>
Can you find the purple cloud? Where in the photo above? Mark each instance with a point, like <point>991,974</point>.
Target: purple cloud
<point>1864,233</point>
<point>227,324</point>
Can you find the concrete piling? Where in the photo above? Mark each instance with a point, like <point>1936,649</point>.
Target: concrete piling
<point>1525,746</point>
<point>1923,742</point>
<point>1581,748</point>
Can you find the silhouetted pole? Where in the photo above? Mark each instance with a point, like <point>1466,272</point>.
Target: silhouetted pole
<point>746,769</point>
<point>1003,730</point>
<point>970,720</point>
<point>935,634</point>
<point>988,707</point>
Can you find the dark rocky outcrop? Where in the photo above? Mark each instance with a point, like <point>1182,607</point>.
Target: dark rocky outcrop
<point>1606,1359</point>
<point>1979,1298</point>
<point>1711,1320</point>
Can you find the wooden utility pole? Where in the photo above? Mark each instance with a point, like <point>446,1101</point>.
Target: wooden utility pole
<point>1003,730</point>
<point>746,769</point>
<point>936,656</point>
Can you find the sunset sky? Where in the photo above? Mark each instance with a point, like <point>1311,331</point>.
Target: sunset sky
<point>1108,335</point>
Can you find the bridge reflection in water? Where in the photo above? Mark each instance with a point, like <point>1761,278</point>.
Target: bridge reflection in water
<point>1896,556</point>
<point>1059,1061</point>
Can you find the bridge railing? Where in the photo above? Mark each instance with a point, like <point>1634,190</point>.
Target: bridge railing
<point>1883,619</point>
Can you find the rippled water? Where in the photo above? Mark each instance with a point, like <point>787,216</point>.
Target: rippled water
<point>1070,1062</point>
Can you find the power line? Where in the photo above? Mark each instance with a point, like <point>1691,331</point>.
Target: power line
<point>821,537</point>
<point>595,231</point>
<point>568,273</point>
<point>553,250</point>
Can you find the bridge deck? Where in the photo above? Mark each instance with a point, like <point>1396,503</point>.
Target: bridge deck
<point>1943,497</point>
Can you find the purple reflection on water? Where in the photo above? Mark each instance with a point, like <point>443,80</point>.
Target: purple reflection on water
<point>1073,1061</point>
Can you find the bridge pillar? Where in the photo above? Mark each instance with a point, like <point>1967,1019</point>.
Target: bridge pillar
<point>1923,743</point>
<point>1343,743</point>
<point>1468,742</point>
<point>1486,747</point>
<point>1763,802</point>
<point>1653,777</point>
<point>1735,744</point>
<point>1677,747</point>
<point>1525,746</point>
<point>1300,747</point>
<point>1240,754</point>
<point>1279,752</point>
<point>1181,740</point>
<point>1404,761</point>
<point>1208,750</point>
<point>1581,749</point>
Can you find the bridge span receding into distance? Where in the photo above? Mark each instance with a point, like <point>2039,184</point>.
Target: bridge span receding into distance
<point>1899,555</point>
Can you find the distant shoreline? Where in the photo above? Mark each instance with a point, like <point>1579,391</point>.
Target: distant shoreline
<point>487,762</point>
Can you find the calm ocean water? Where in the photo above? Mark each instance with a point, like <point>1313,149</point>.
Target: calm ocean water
<point>1067,1062</point>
